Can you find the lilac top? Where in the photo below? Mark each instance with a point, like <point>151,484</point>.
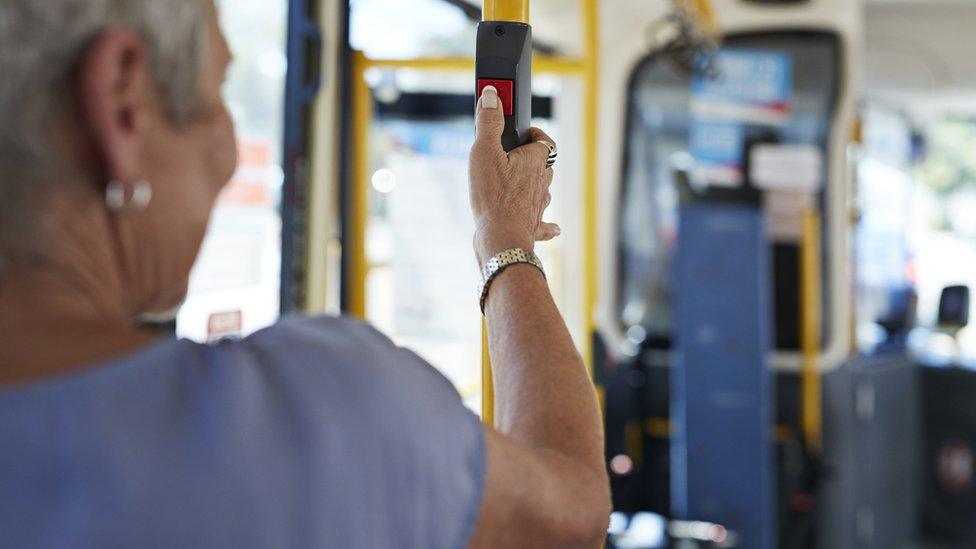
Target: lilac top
<point>313,433</point>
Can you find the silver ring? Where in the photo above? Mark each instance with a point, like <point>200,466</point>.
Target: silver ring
<point>553,153</point>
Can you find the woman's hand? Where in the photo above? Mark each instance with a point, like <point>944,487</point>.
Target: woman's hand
<point>509,191</point>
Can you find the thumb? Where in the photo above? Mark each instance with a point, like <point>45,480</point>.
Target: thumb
<point>491,119</point>
<point>547,231</point>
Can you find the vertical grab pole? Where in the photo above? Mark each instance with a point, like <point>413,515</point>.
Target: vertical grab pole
<point>590,18</point>
<point>487,379</point>
<point>506,10</point>
<point>504,60</point>
<point>810,288</point>
<point>358,265</point>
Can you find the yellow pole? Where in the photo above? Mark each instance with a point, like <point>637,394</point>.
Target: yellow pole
<point>506,10</point>
<point>590,17</point>
<point>496,10</point>
<point>703,11</point>
<point>487,381</point>
<point>543,64</point>
<point>810,288</point>
<point>359,194</point>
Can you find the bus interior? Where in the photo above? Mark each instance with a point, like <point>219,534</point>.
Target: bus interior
<point>834,141</point>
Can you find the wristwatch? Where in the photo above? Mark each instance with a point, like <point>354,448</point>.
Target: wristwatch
<point>499,263</point>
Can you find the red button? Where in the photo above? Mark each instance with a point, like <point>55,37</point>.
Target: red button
<point>506,92</point>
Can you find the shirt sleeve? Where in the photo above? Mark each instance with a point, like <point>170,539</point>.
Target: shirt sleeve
<point>392,456</point>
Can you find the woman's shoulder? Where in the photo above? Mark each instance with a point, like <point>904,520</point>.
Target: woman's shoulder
<point>333,333</point>
<point>321,340</point>
<point>314,349</point>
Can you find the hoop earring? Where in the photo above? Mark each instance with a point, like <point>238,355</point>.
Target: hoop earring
<point>121,200</point>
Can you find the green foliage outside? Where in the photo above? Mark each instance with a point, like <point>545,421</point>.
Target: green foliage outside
<point>950,165</point>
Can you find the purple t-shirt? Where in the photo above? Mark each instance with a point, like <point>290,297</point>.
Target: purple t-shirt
<point>313,433</point>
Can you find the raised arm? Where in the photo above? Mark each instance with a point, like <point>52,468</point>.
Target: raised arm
<point>547,484</point>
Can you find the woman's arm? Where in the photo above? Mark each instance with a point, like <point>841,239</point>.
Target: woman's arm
<point>547,484</point>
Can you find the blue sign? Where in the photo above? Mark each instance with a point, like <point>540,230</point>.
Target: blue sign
<point>749,88</point>
<point>747,78</point>
<point>718,142</point>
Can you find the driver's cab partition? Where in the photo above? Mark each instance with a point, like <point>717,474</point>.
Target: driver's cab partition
<point>659,143</point>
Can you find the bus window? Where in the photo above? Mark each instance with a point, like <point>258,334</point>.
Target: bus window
<point>234,287</point>
<point>407,29</point>
<point>886,199</point>
<point>382,29</point>
<point>658,144</point>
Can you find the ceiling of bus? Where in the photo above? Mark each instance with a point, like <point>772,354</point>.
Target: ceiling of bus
<point>557,23</point>
<point>919,54</point>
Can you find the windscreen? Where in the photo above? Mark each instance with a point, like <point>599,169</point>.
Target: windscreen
<point>658,134</point>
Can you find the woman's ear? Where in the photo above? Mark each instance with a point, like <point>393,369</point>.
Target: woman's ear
<point>115,90</point>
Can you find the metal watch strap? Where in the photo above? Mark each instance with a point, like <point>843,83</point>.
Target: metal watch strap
<point>499,263</point>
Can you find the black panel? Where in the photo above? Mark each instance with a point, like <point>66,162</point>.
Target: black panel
<point>954,306</point>
<point>870,496</point>
<point>638,394</point>
<point>949,511</point>
<point>787,303</point>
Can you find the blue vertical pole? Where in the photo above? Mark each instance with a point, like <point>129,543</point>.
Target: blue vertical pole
<point>303,48</point>
<point>722,389</point>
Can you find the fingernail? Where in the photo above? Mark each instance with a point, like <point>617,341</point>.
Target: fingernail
<point>558,231</point>
<point>489,98</point>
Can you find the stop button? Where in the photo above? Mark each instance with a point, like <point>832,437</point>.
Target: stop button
<point>506,92</point>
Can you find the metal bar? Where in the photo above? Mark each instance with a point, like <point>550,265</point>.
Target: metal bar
<point>362,104</point>
<point>303,48</point>
<point>658,427</point>
<point>701,10</point>
<point>810,288</point>
<point>506,10</point>
<point>473,13</point>
<point>541,64</point>
<point>487,379</point>
<point>591,32</point>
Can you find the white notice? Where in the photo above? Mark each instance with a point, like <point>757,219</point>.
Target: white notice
<point>787,167</point>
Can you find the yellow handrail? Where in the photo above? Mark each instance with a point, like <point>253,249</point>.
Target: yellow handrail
<point>810,288</point>
<point>362,105</point>
<point>702,11</point>
<point>506,10</point>
<point>540,64</point>
<point>591,32</point>
<point>487,380</point>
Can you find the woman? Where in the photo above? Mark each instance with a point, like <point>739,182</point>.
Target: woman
<point>313,433</point>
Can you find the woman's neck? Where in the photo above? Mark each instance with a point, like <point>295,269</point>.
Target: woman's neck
<point>56,319</point>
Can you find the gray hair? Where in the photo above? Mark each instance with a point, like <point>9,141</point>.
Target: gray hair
<point>41,43</point>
